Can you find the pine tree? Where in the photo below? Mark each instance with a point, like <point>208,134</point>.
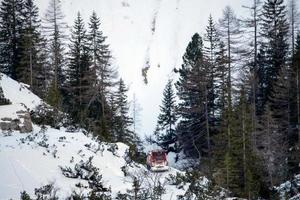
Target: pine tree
<point>192,87</point>
<point>103,74</point>
<point>225,158</point>
<point>136,192</point>
<point>271,148</point>
<point>252,24</point>
<point>122,131</point>
<point>230,32</point>
<point>54,28</point>
<point>167,119</point>
<point>249,168</point>
<point>274,31</point>
<point>31,69</point>
<point>190,59</point>
<point>10,31</point>
<point>212,38</point>
<point>221,62</point>
<point>212,49</point>
<point>274,90</point>
<point>294,137</point>
<point>79,73</point>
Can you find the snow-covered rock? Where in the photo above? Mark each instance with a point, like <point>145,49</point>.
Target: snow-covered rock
<point>290,189</point>
<point>15,117</point>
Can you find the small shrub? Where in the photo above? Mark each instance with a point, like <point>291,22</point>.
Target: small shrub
<point>47,192</point>
<point>25,196</point>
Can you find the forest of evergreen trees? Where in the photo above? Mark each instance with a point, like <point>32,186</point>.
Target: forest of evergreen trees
<point>238,111</point>
<point>73,73</point>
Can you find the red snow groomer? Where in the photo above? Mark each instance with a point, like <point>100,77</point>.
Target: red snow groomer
<point>157,161</point>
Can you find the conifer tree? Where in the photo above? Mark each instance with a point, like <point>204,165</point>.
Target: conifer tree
<point>274,90</point>
<point>10,32</point>
<point>109,131</point>
<point>122,131</point>
<point>103,74</point>
<point>121,122</point>
<point>271,146</point>
<point>54,28</point>
<point>167,119</point>
<point>31,69</point>
<point>79,73</point>
<point>192,87</point>
<point>221,62</point>
<point>230,32</point>
<point>252,24</point>
<point>274,31</point>
<point>294,138</point>
<point>211,50</point>
<point>249,168</point>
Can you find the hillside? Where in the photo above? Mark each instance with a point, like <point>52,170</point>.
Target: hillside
<point>31,160</point>
<point>96,95</point>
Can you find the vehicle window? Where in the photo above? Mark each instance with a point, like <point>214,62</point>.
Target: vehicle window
<point>158,155</point>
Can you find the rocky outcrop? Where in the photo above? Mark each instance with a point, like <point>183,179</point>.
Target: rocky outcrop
<point>20,121</point>
<point>3,100</point>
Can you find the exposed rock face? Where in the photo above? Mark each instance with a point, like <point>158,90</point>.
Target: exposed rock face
<point>3,100</point>
<point>22,122</point>
<point>26,127</point>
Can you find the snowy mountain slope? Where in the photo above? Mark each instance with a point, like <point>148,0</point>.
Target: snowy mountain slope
<point>144,33</point>
<point>16,116</point>
<point>29,161</point>
<point>23,95</point>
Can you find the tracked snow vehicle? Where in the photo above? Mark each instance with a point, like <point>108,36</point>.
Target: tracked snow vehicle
<point>157,161</point>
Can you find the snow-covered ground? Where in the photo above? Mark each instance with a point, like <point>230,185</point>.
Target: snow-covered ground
<point>29,161</point>
<point>18,93</point>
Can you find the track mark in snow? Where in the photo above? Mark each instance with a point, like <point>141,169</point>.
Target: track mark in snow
<point>176,37</point>
<point>15,172</point>
<point>147,63</point>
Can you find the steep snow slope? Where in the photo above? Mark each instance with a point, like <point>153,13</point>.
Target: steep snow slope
<point>151,33</point>
<point>18,93</point>
<point>29,161</point>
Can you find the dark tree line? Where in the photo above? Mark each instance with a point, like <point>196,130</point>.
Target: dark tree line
<point>77,78</point>
<point>238,109</point>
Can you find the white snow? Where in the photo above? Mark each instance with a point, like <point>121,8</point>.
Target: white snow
<point>25,165</point>
<point>29,161</point>
<point>18,93</point>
